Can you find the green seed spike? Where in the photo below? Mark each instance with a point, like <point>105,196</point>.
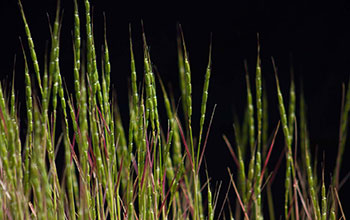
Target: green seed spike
<point>282,110</point>
<point>88,39</point>
<point>181,67</point>
<point>148,82</point>
<point>291,111</point>
<point>54,72</point>
<point>257,188</point>
<point>31,46</point>
<point>250,180</point>
<point>106,71</point>
<point>54,52</point>
<point>107,61</point>
<point>204,101</point>
<point>96,145</point>
<point>107,75</point>
<point>154,99</point>
<point>149,101</point>
<point>288,140</point>
<point>258,83</point>
<point>46,88</point>
<point>77,47</point>
<point>188,85</point>
<point>14,122</point>
<point>250,111</point>
<point>77,40</point>
<point>177,155</point>
<point>4,140</point>
<point>312,188</point>
<point>306,156</point>
<point>91,58</point>
<point>63,106</point>
<point>29,139</point>
<point>8,121</point>
<point>129,158</point>
<point>135,96</point>
<point>152,95</point>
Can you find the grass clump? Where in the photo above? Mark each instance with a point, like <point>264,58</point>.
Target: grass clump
<point>305,194</point>
<point>144,170</point>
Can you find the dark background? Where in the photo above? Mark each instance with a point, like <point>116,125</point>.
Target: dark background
<point>315,35</point>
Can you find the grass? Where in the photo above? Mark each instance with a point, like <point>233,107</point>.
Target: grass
<point>149,169</point>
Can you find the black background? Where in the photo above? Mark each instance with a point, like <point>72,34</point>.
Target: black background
<point>315,34</point>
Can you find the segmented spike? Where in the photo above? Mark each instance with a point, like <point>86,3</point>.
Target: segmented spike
<point>31,46</point>
<point>204,101</point>
<point>250,113</point>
